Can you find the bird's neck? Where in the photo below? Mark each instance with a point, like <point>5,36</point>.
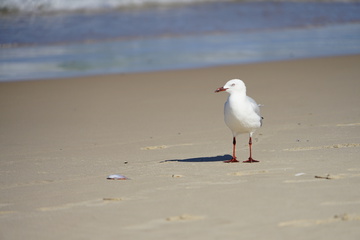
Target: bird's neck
<point>237,96</point>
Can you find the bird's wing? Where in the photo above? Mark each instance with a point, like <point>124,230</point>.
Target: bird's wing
<point>254,105</point>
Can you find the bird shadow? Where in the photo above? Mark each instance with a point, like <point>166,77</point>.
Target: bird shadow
<point>202,159</point>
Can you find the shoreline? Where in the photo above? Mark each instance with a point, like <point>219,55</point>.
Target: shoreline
<point>203,36</point>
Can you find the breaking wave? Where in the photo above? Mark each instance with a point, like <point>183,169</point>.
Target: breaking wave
<point>9,6</point>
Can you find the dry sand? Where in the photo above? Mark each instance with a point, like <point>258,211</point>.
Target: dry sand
<point>60,139</point>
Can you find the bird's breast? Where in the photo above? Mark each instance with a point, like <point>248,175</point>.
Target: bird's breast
<point>241,118</point>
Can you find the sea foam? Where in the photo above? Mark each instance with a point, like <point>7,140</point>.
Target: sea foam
<point>76,5</point>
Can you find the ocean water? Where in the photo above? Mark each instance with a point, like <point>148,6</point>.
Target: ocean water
<point>64,38</point>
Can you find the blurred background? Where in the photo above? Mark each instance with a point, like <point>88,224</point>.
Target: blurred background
<point>67,38</point>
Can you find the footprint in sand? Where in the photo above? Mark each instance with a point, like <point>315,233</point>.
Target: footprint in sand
<point>177,176</point>
<point>312,222</point>
<point>154,147</point>
<point>340,145</point>
<point>324,177</point>
<point>160,223</point>
<point>184,217</point>
<point>247,173</point>
<point>90,203</point>
<point>347,124</point>
<point>113,199</point>
<point>256,172</point>
<point>165,146</point>
<point>6,212</point>
<point>340,203</point>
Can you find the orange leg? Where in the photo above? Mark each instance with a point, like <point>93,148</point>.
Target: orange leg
<point>234,153</point>
<point>250,160</point>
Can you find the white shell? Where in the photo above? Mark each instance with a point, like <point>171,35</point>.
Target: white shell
<point>116,177</point>
<point>299,174</point>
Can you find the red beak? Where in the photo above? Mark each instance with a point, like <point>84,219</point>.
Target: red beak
<point>221,89</point>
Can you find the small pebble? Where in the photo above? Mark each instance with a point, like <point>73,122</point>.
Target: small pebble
<point>112,199</point>
<point>177,176</point>
<point>324,177</point>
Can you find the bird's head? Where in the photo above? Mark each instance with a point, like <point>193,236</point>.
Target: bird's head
<point>234,85</point>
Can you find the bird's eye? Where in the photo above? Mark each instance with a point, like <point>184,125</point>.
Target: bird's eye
<point>233,84</point>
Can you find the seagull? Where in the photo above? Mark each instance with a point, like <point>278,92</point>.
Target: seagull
<point>241,114</point>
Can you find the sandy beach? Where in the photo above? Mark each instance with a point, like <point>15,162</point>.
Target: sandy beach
<point>61,138</point>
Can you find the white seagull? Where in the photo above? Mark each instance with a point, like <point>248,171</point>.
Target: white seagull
<point>241,114</point>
